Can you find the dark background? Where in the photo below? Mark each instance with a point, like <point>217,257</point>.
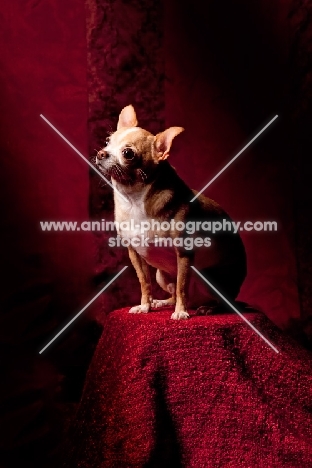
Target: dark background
<point>221,70</point>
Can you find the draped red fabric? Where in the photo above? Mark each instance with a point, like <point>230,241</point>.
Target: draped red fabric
<point>207,392</point>
<point>45,277</point>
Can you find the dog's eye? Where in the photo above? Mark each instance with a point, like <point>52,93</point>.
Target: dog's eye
<point>128,154</point>
<point>106,142</point>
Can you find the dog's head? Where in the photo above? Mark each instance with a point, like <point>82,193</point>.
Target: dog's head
<point>132,154</point>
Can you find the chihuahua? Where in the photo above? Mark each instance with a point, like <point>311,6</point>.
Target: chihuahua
<point>150,192</point>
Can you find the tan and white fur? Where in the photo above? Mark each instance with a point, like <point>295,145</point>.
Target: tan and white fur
<point>136,161</point>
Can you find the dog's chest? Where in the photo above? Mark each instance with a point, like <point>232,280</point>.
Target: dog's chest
<point>131,216</point>
<point>132,221</point>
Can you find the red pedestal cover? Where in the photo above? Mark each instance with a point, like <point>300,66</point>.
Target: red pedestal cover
<point>206,392</point>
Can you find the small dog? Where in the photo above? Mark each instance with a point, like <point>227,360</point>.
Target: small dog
<point>136,162</point>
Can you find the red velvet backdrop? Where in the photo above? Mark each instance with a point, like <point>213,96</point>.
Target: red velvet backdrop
<point>46,277</point>
<point>228,74</point>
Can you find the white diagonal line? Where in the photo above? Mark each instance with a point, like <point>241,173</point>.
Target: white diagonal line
<point>82,156</point>
<point>233,159</point>
<point>83,309</point>
<point>237,311</point>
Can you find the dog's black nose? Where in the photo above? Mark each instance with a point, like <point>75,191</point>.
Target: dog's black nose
<point>103,155</point>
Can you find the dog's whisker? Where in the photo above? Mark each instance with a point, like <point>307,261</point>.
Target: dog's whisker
<point>142,175</point>
<point>120,171</point>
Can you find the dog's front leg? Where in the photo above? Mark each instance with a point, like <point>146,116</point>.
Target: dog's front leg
<point>183,277</point>
<point>142,271</point>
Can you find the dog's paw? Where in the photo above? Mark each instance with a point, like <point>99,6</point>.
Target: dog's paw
<point>205,310</point>
<point>156,303</point>
<point>140,309</point>
<point>180,315</point>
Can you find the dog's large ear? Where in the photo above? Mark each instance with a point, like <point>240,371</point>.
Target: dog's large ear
<point>127,118</point>
<point>163,142</point>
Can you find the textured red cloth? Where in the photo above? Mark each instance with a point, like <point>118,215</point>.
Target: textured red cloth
<point>206,392</point>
